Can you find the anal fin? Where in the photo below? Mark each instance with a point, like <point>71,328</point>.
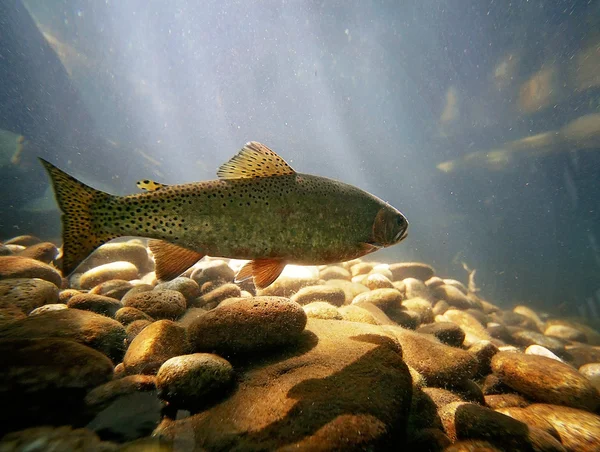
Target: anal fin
<point>172,260</point>
<point>264,272</point>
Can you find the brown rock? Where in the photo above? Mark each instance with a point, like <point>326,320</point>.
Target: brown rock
<point>377,281</point>
<point>322,310</point>
<point>95,303</point>
<point>350,289</point>
<point>415,270</point>
<point>379,317</point>
<point>246,325</point>
<point>429,439</point>
<point>115,288</point>
<point>440,307</point>
<point>286,287</point>
<point>10,313</point>
<point>592,336</point>
<point>334,272</point>
<point>531,314</point>
<point>158,304</point>
<point>187,286</point>
<point>12,267</point>
<point>484,351</point>
<point>591,371</point>
<point>330,294</point>
<point>453,296</point>
<point>454,283</point>
<point>300,400</point>
<point>214,270</point>
<point>65,295</point>
<point>446,332</point>
<point>421,307</point>
<point>102,396</point>
<point>44,252</point>
<point>545,379</point>
<point>496,401</point>
<point>566,333</point>
<point>474,331</point>
<point>154,345</point>
<point>48,308</point>
<point>54,439</point>
<point>217,295</point>
<point>132,252</point>
<point>353,313</point>
<point>526,338</point>
<point>415,288</point>
<point>23,240</point>
<point>87,328</point>
<point>128,314</point>
<point>27,294</point>
<point>115,270</point>
<point>134,328</point>
<point>584,354</point>
<point>190,316</point>
<point>361,268</point>
<point>137,289</point>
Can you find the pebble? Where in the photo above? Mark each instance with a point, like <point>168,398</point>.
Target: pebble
<point>545,380</point>
<point>88,328</point>
<point>247,325</point>
<point>591,371</point>
<point>495,401</point>
<point>102,396</point>
<point>140,288</point>
<point>115,288</point>
<point>322,310</point>
<point>12,267</point>
<point>95,303</point>
<point>114,270</point>
<point>422,307</point>
<point>526,338</point>
<point>286,286</point>
<point>541,351</point>
<point>498,331</point>
<point>440,307</point>
<point>592,336</point>
<point>187,286</point>
<point>332,295</point>
<point>214,297</point>
<point>447,332</point>
<point>384,299</point>
<point>583,354</point>
<point>189,381</point>
<point>127,314</point>
<point>377,281</point>
<point>415,288</point>
<point>566,333</point>
<point>48,308</point>
<point>64,438</point>
<point>65,295</point>
<point>484,351</point>
<point>353,313</point>
<point>155,344</point>
<point>531,314</point>
<point>361,268</point>
<point>215,270</point>
<point>457,284</point>
<point>453,296</point>
<point>351,289</point>
<point>334,272</point>
<point>158,304</point>
<point>44,252</point>
<point>132,252</point>
<point>135,327</point>
<point>474,331</point>
<point>24,240</point>
<point>415,270</point>
<point>27,293</point>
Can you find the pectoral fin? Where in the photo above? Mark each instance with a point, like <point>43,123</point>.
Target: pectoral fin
<point>264,272</point>
<point>171,260</point>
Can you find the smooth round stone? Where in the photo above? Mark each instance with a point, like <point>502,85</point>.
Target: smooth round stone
<point>351,289</point>
<point>484,351</point>
<point>531,314</point>
<point>216,270</point>
<point>132,252</point>
<point>23,240</point>
<point>12,267</point>
<point>566,333</point>
<point>27,294</point>
<point>474,330</point>
<point>591,371</point>
<point>377,281</point>
<point>5,250</point>
<point>127,314</point>
<point>187,286</point>
<point>526,338</point>
<point>541,351</point>
<point>246,325</point>
<point>286,286</point>
<point>48,308</point>
<point>433,282</point>
<point>102,396</point>
<point>332,295</point>
<point>440,307</point>
<point>155,344</point>
<point>140,288</point>
<point>159,304</point>
<point>384,299</point>
<point>65,295</point>
<point>421,306</point>
<point>114,270</point>
<point>415,270</point>
<point>334,272</point>
<point>115,288</point>
<point>322,310</point>
<point>545,380</point>
<point>415,288</point>
<point>135,327</point>
<point>453,296</point>
<point>63,438</point>
<point>498,331</point>
<point>454,283</point>
<point>188,381</point>
<point>446,332</point>
<point>353,313</point>
<point>96,303</point>
<point>361,268</point>
<point>215,296</point>
<point>495,401</point>
<point>44,252</point>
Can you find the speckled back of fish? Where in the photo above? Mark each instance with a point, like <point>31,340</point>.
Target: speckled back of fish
<point>259,209</point>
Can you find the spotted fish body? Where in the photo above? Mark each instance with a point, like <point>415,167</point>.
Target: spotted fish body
<point>259,209</point>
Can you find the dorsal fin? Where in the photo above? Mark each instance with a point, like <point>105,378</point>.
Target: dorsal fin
<point>149,185</point>
<point>254,160</point>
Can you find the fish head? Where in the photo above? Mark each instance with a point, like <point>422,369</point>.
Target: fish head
<point>389,227</point>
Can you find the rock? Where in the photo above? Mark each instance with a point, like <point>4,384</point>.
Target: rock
<point>65,295</point>
<point>322,310</point>
<point>566,333</point>
<point>510,318</point>
<point>134,328</point>
<point>215,270</point>
<point>498,331</point>
<point>187,286</point>
<point>334,272</point>
<point>388,300</point>
<point>190,381</point>
<point>433,282</point>
<point>580,355</point>
<point>48,308</point>
<point>158,304</point>
<point>10,313</point>
<point>441,397</point>
<point>453,296</point>
<point>134,253</point>
<point>350,289</point>
<point>527,338</point>
<point>87,328</point>
<point>429,439</point>
<point>102,396</point>
<point>44,380</point>
<point>154,345</point>
<point>44,252</point>
<point>361,268</point>
<point>128,314</point>
<point>493,385</point>
<point>95,303</point>
<point>190,316</point>
<point>545,380</point>
<point>577,429</point>
<point>440,364</point>
<point>474,331</point>
<point>54,439</point>
<point>446,332</point>
<point>352,313</point>
<point>415,288</point>
<point>217,295</point>
<point>115,288</point>
<point>531,314</point>
<point>247,325</point>
<point>5,250</point>
<point>484,351</point>
<point>12,267</point>
<point>415,270</point>
<point>420,306</point>
<point>496,401</point>
<point>301,401</point>
<point>468,390</point>
<point>377,281</point>
<point>454,283</point>
<point>440,307</point>
<point>115,270</point>
<point>329,294</point>
<point>592,336</point>
<point>27,294</point>
<point>23,240</point>
<point>285,286</point>
<point>591,371</point>
<point>541,351</point>
<point>468,421</point>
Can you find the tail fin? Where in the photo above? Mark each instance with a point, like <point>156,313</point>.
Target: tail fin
<point>81,233</point>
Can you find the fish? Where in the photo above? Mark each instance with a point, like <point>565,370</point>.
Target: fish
<point>259,209</point>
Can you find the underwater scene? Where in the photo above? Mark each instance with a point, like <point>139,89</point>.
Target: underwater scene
<point>300,225</point>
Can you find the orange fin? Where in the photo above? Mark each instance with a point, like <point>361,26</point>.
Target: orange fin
<point>149,185</point>
<point>254,160</point>
<point>172,260</point>
<point>264,271</point>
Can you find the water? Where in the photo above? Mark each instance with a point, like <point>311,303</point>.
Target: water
<point>480,121</point>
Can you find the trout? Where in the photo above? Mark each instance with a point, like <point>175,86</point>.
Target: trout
<point>258,209</point>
